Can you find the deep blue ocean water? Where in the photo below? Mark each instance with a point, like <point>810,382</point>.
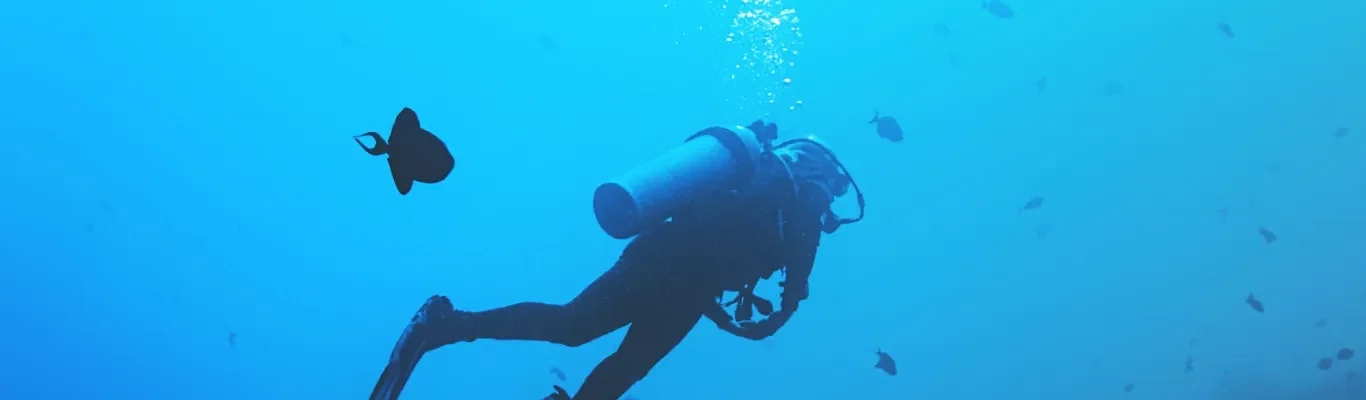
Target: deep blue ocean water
<point>179,173</point>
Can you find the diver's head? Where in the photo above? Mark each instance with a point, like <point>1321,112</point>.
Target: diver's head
<point>812,164</point>
<point>810,161</point>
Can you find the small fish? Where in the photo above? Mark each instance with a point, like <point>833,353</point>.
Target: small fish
<point>1041,84</point>
<point>415,154</point>
<point>1034,203</point>
<point>1320,323</point>
<point>1342,131</point>
<point>1128,388</point>
<point>558,373</point>
<point>547,43</point>
<point>1345,354</point>
<point>1223,213</point>
<point>942,30</point>
<point>1111,89</point>
<point>885,363</point>
<point>1325,363</point>
<point>998,8</point>
<point>887,127</point>
<point>1227,30</point>
<point>232,339</point>
<point>1267,235</point>
<point>1254,303</point>
<point>1190,363</point>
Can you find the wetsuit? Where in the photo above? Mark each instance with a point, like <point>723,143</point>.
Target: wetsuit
<point>663,283</point>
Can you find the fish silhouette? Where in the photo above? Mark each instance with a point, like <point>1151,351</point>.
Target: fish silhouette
<point>1226,29</point>
<point>415,154</point>
<point>1345,354</point>
<point>997,8</point>
<point>1267,235</point>
<point>1254,303</point>
<point>885,363</point>
<point>1033,204</point>
<point>1325,363</point>
<point>887,127</point>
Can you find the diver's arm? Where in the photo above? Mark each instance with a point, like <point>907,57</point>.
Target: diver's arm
<point>802,237</point>
<point>718,314</point>
<point>795,287</point>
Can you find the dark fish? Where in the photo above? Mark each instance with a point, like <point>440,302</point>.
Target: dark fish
<point>1223,213</point>
<point>1345,354</point>
<point>558,373</point>
<point>1325,363</point>
<point>1320,323</point>
<point>998,8</point>
<point>942,30</point>
<point>547,43</point>
<point>885,363</point>
<point>1033,204</point>
<point>232,339</point>
<point>1041,84</point>
<point>887,127</point>
<point>1227,30</point>
<point>1128,388</point>
<point>1267,235</point>
<point>1342,131</point>
<point>414,153</point>
<point>1254,303</point>
<point>1111,89</point>
<point>1190,363</point>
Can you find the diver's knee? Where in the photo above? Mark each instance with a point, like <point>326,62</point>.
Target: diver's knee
<point>577,329</point>
<point>630,366</point>
<point>578,335</point>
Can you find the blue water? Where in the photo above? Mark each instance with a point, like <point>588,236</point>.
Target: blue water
<point>176,171</point>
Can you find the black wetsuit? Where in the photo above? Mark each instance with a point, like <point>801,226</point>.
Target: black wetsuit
<point>664,281</point>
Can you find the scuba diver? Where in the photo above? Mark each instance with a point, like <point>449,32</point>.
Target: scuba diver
<point>719,213</point>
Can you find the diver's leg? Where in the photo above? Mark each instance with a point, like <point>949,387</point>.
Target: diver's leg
<point>647,341</point>
<point>606,305</point>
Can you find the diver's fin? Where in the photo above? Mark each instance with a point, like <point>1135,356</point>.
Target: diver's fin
<point>411,345</point>
<point>406,121</point>
<point>393,379</point>
<point>876,114</point>
<point>401,178</point>
<point>380,148</point>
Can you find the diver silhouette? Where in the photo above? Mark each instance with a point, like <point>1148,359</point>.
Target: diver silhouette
<point>750,209</point>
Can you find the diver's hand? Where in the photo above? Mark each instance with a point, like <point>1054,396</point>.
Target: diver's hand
<point>762,329</point>
<point>560,394</point>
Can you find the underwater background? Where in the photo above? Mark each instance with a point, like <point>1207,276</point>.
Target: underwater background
<point>187,217</point>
